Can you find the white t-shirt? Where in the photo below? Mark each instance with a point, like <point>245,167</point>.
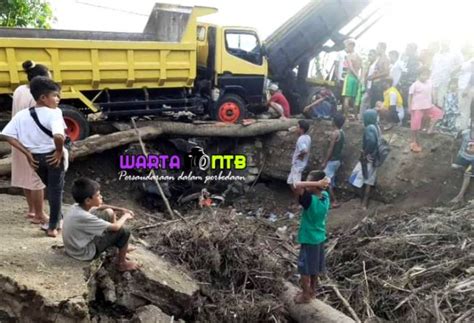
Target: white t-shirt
<point>396,72</point>
<point>303,144</point>
<point>79,230</point>
<point>442,67</point>
<point>23,128</point>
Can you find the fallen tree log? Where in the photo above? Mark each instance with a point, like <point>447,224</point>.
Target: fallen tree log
<point>200,129</point>
<point>152,129</point>
<point>97,143</point>
<point>315,311</point>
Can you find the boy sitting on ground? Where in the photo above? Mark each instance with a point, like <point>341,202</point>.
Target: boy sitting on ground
<point>312,232</point>
<point>91,227</point>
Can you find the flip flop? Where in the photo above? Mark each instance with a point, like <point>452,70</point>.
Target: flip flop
<point>42,221</point>
<point>30,215</point>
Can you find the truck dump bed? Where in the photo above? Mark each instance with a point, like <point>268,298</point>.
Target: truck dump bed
<point>307,31</point>
<point>163,56</point>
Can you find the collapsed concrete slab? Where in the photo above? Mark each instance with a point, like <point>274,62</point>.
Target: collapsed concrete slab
<point>39,283</point>
<point>157,282</point>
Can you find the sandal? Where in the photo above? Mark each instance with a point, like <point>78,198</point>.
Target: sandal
<point>38,221</point>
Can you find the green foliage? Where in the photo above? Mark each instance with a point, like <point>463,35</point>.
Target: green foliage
<point>25,13</point>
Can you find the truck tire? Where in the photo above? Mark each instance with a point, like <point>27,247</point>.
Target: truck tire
<point>230,109</point>
<point>76,122</point>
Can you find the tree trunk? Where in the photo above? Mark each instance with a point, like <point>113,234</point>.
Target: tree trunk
<point>152,129</point>
<point>98,143</point>
<point>315,311</point>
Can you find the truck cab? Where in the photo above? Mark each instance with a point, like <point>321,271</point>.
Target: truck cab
<point>233,59</point>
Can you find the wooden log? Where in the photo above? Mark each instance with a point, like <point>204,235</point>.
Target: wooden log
<point>151,129</point>
<point>98,143</point>
<point>201,129</point>
<point>315,311</point>
<point>220,129</point>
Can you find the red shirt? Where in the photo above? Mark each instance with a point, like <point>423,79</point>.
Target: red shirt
<point>279,98</point>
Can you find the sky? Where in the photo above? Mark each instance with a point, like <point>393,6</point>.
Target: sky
<point>404,21</point>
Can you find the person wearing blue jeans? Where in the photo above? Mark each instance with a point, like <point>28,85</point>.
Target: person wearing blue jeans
<point>38,132</point>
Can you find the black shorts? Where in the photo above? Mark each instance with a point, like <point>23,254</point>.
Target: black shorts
<point>311,260</point>
<point>461,162</point>
<point>109,239</point>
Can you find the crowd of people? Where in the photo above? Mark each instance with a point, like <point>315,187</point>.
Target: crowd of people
<point>390,90</point>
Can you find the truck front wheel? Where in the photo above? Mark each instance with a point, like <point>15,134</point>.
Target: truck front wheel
<point>76,122</point>
<point>230,109</point>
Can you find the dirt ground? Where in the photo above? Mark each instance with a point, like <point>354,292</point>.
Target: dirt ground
<point>30,258</point>
<point>269,204</point>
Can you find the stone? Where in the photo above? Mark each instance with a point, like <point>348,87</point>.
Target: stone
<point>151,314</point>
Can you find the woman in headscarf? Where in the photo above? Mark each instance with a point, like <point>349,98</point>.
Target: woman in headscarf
<point>23,175</point>
<point>365,172</point>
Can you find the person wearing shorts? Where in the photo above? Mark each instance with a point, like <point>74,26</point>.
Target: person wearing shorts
<point>351,66</point>
<point>465,160</point>
<point>421,105</point>
<point>332,161</point>
<point>90,227</point>
<point>312,232</point>
<point>301,154</point>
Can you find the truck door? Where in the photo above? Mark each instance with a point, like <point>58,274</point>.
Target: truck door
<point>240,65</point>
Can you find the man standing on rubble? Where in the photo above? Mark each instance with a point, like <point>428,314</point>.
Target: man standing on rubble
<point>351,67</point>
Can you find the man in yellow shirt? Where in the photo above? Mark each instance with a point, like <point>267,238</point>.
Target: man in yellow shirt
<point>391,109</point>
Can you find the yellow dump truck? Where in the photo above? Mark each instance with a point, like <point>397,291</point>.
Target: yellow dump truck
<point>176,67</point>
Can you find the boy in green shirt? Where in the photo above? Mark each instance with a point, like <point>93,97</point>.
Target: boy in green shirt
<point>312,231</point>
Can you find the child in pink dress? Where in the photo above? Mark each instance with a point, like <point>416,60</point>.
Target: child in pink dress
<point>23,176</point>
<point>420,105</point>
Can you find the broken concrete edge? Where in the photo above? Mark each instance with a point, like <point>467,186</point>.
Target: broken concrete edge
<point>157,283</point>
<point>315,311</point>
<point>20,302</point>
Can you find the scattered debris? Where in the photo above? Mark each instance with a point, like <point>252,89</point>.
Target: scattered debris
<point>409,267</point>
<point>240,270</point>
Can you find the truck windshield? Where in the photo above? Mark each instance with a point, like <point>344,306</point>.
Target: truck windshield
<point>244,45</point>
